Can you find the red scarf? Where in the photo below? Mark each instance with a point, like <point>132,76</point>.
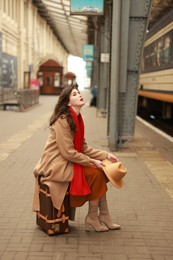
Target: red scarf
<point>78,185</point>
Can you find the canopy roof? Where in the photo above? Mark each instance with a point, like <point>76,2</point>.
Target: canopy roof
<point>70,29</point>
<point>73,31</point>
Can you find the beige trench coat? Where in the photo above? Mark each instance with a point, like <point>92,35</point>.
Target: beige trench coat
<point>56,163</point>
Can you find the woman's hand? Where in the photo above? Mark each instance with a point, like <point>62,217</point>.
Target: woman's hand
<point>97,163</point>
<point>112,158</point>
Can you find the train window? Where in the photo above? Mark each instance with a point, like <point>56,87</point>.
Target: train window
<point>160,53</point>
<point>167,50</point>
<point>147,57</point>
<point>153,56</point>
<point>171,47</point>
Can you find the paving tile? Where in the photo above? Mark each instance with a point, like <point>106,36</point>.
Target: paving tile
<point>143,208</point>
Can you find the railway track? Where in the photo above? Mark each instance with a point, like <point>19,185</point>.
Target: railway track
<point>164,125</point>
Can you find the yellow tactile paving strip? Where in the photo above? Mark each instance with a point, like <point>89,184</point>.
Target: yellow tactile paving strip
<point>156,163</point>
<point>14,142</point>
<point>163,172</point>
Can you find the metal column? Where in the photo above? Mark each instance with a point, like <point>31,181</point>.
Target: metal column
<point>0,60</point>
<point>114,80</point>
<point>1,7</point>
<point>94,81</point>
<point>104,42</point>
<point>129,24</point>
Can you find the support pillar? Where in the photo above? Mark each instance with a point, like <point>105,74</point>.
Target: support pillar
<point>114,80</point>
<point>1,8</point>
<point>104,41</point>
<point>21,46</point>
<point>94,81</point>
<point>129,25</point>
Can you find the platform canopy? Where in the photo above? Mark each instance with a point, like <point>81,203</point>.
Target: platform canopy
<point>70,29</point>
<point>159,9</point>
<point>73,31</point>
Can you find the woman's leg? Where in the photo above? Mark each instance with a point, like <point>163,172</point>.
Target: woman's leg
<point>92,217</point>
<point>104,215</point>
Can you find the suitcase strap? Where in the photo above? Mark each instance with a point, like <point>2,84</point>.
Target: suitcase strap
<point>44,192</point>
<point>50,221</point>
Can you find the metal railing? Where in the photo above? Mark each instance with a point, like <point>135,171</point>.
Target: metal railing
<point>22,99</point>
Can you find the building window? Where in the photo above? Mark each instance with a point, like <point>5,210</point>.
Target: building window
<point>56,80</point>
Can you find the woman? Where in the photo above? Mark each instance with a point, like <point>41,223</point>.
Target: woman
<point>68,159</point>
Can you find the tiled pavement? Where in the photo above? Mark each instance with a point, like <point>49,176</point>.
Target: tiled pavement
<point>143,207</point>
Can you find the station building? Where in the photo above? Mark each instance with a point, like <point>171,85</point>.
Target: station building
<point>29,48</point>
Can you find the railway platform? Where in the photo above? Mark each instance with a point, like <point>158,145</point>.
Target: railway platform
<point>143,207</point>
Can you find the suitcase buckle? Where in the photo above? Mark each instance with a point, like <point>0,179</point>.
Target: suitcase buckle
<point>55,227</point>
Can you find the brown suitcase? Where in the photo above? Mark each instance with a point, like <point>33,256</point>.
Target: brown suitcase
<point>49,219</point>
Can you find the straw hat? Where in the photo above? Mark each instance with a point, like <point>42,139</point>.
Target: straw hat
<point>115,172</point>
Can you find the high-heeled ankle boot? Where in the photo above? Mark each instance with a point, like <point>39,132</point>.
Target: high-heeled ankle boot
<point>92,219</point>
<point>104,215</point>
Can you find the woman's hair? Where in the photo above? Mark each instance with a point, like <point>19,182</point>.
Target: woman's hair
<point>62,107</point>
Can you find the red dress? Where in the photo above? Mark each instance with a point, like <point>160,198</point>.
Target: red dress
<point>96,180</point>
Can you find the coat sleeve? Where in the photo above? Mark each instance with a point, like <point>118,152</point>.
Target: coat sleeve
<point>94,153</point>
<point>64,140</point>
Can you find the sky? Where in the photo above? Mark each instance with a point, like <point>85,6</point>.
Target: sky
<point>77,66</point>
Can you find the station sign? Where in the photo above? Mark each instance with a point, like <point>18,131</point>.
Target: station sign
<point>89,68</point>
<point>88,52</point>
<point>104,57</point>
<point>87,7</point>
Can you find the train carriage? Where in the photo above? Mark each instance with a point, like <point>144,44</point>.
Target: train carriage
<point>157,63</point>
<point>155,99</point>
